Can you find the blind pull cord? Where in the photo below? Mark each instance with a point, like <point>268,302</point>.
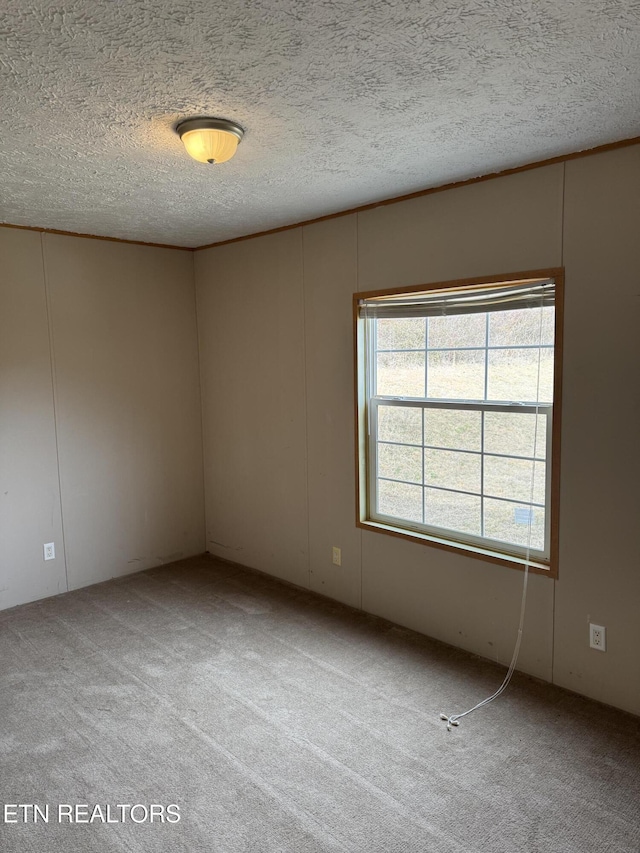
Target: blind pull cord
<point>454,719</point>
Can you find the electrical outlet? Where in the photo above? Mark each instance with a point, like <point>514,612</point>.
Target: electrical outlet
<point>598,637</point>
<point>50,551</point>
<point>336,556</point>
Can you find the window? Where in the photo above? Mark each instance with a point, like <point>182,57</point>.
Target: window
<point>457,427</point>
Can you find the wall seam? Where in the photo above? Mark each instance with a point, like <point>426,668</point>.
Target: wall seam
<point>54,397</point>
<point>201,402</point>
<point>555,582</point>
<point>306,406</point>
<point>360,531</point>
<point>562,219</point>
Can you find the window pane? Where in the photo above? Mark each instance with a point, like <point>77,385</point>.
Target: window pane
<point>400,500</point>
<point>511,478</point>
<point>456,375</point>
<point>513,375</point>
<point>452,511</point>
<point>510,523</point>
<point>405,333</point>
<point>466,330</point>
<point>452,470</point>
<point>514,434</point>
<point>521,328</point>
<point>465,475</point>
<point>400,374</point>
<point>400,424</point>
<point>449,428</point>
<point>399,462</point>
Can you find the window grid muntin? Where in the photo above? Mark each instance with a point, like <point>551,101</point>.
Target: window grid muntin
<point>541,410</point>
<point>461,450</point>
<point>468,349</point>
<point>457,492</point>
<point>453,349</point>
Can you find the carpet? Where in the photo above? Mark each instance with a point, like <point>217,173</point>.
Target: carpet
<point>277,721</point>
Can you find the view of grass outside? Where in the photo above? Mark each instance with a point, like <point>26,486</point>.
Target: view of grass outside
<point>474,472</point>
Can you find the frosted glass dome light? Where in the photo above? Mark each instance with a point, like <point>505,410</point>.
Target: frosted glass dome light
<point>210,140</point>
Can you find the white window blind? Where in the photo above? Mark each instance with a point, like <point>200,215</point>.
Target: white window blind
<point>475,300</point>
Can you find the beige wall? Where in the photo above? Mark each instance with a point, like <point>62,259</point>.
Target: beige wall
<point>600,507</point>
<point>100,419</point>
<point>107,331</point>
<point>251,330</point>
<point>29,494</point>
<point>276,356</point>
<point>330,256</point>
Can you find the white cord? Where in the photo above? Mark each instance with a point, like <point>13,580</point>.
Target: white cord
<point>454,719</point>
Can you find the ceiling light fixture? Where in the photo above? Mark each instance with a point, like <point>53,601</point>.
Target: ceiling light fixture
<point>210,140</point>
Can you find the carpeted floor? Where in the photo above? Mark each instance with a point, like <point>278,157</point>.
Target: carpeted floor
<point>280,721</point>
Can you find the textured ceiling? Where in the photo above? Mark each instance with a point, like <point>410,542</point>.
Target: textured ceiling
<point>343,102</point>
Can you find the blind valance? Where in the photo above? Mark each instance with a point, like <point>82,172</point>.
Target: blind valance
<point>507,296</point>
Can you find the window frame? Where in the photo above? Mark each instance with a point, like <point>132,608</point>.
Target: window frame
<point>365,449</point>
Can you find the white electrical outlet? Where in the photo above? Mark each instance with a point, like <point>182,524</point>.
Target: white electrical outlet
<point>50,551</point>
<point>598,637</point>
<point>336,556</point>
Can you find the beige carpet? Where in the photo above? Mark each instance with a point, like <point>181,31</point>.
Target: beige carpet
<point>281,722</point>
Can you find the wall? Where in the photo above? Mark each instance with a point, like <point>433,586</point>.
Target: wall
<point>276,359</point>
<point>29,495</point>
<point>100,432</point>
<point>251,333</point>
<point>600,506</point>
<point>100,420</point>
